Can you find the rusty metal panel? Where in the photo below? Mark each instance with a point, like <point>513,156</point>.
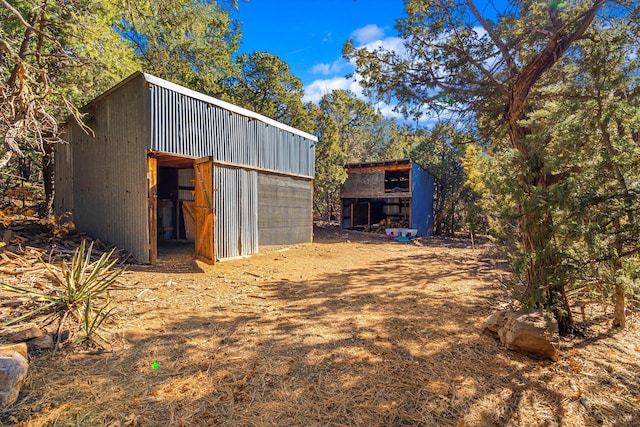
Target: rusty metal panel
<point>108,172</point>
<point>284,210</point>
<point>236,210</point>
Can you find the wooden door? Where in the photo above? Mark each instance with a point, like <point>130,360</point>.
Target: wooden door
<point>152,197</point>
<point>204,210</point>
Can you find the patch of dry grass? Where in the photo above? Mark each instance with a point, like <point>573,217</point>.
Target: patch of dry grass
<point>359,333</point>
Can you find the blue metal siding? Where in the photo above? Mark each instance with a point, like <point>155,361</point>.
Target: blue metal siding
<point>421,201</point>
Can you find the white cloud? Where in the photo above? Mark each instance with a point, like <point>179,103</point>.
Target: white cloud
<point>387,111</point>
<point>321,69</point>
<point>370,37</point>
<point>336,67</point>
<point>392,44</point>
<point>367,33</point>
<point>318,88</point>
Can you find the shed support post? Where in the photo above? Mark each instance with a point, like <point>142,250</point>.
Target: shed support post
<point>352,216</point>
<point>152,180</point>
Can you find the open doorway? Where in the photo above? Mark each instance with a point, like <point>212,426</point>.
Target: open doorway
<point>370,214</point>
<point>175,204</point>
<point>175,213</point>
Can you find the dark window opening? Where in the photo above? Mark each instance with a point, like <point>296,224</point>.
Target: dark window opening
<point>397,181</point>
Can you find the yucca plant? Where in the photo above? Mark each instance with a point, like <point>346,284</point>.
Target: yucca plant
<point>92,320</point>
<point>81,284</point>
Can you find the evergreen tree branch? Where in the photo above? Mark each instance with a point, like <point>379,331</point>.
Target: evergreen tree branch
<point>506,55</point>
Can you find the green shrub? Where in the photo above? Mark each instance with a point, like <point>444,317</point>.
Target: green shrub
<point>82,291</point>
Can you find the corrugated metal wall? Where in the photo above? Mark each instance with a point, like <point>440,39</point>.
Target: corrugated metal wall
<point>236,210</point>
<point>186,126</point>
<point>284,210</point>
<point>103,179</point>
<point>63,201</point>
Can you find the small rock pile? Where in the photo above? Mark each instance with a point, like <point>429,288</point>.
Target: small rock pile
<point>14,357</point>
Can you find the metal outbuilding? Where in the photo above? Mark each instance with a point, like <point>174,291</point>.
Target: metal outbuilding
<point>393,193</point>
<point>166,163</point>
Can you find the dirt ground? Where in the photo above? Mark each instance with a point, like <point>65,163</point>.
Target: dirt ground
<point>351,330</point>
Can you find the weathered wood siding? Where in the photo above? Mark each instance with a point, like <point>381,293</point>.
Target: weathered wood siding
<point>363,184</point>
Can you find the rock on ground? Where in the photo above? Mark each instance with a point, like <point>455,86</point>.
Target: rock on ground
<point>13,370</point>
<point>26,334</point>
<point>529,333</point>
<point>41,343</point>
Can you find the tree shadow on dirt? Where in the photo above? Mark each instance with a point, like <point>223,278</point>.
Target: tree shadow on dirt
<point>367,346</point>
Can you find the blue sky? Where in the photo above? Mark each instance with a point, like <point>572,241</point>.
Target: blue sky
<point>309,35</point>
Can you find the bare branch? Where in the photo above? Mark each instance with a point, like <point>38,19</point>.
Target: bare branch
<point>506,55</point>
<point>17,15</point>
<point>27,24</point>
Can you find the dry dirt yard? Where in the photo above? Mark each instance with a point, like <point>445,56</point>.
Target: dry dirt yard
<point>352,330</point>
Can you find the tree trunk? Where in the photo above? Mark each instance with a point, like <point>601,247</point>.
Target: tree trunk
<point>562,309</point>
<point>48,175</point>
<point>542,292</point>
<point>535,220</point>
<point>445,210</point>
<point>536,229</point>
<point>619,317</point>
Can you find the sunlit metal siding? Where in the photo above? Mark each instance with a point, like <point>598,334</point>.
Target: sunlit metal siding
<point>197,127</point>
<point>109,171</point>
<point>236,209</point>
<point>284,210</point>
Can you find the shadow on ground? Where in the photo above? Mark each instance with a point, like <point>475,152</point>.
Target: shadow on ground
<point>393,343</point>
